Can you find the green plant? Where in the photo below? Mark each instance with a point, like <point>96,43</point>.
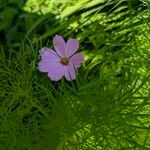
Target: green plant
<point>106,107</point>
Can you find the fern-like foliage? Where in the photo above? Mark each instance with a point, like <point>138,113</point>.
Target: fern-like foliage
<point>107,107</point>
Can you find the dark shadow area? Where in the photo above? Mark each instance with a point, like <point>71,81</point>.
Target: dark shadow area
<point>16,23</point>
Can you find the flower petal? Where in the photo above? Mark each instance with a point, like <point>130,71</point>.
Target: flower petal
<point>76,60</point>
<point>72,46</point>
<point>49,55</point>
<point>70,73</point>
<point>59,45</point>
<point>56,72</point>
<point>46,66</point>
<point>42,66</point>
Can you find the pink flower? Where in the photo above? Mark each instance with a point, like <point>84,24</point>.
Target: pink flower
<point>61,62</point>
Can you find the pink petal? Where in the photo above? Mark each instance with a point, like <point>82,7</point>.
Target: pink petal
<point>49,55</point>
<point>70,73</point>
<point>42,66</point>
<point>56,72</point>
<point>76,60</point>
<point>72,46</point>
<point>59,45</point>
<point>45,66</point>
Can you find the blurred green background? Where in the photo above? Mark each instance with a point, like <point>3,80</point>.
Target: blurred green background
<point>107,107</point>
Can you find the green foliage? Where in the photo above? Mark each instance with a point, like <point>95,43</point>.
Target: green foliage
<point>107,107</point>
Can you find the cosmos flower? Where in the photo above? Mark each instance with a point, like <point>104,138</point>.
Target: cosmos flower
<point>63,62</point>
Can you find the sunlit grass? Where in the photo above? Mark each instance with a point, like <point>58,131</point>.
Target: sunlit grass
<point>106,107</point>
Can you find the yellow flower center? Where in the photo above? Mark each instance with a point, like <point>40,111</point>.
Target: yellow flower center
<point>64,60</point>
